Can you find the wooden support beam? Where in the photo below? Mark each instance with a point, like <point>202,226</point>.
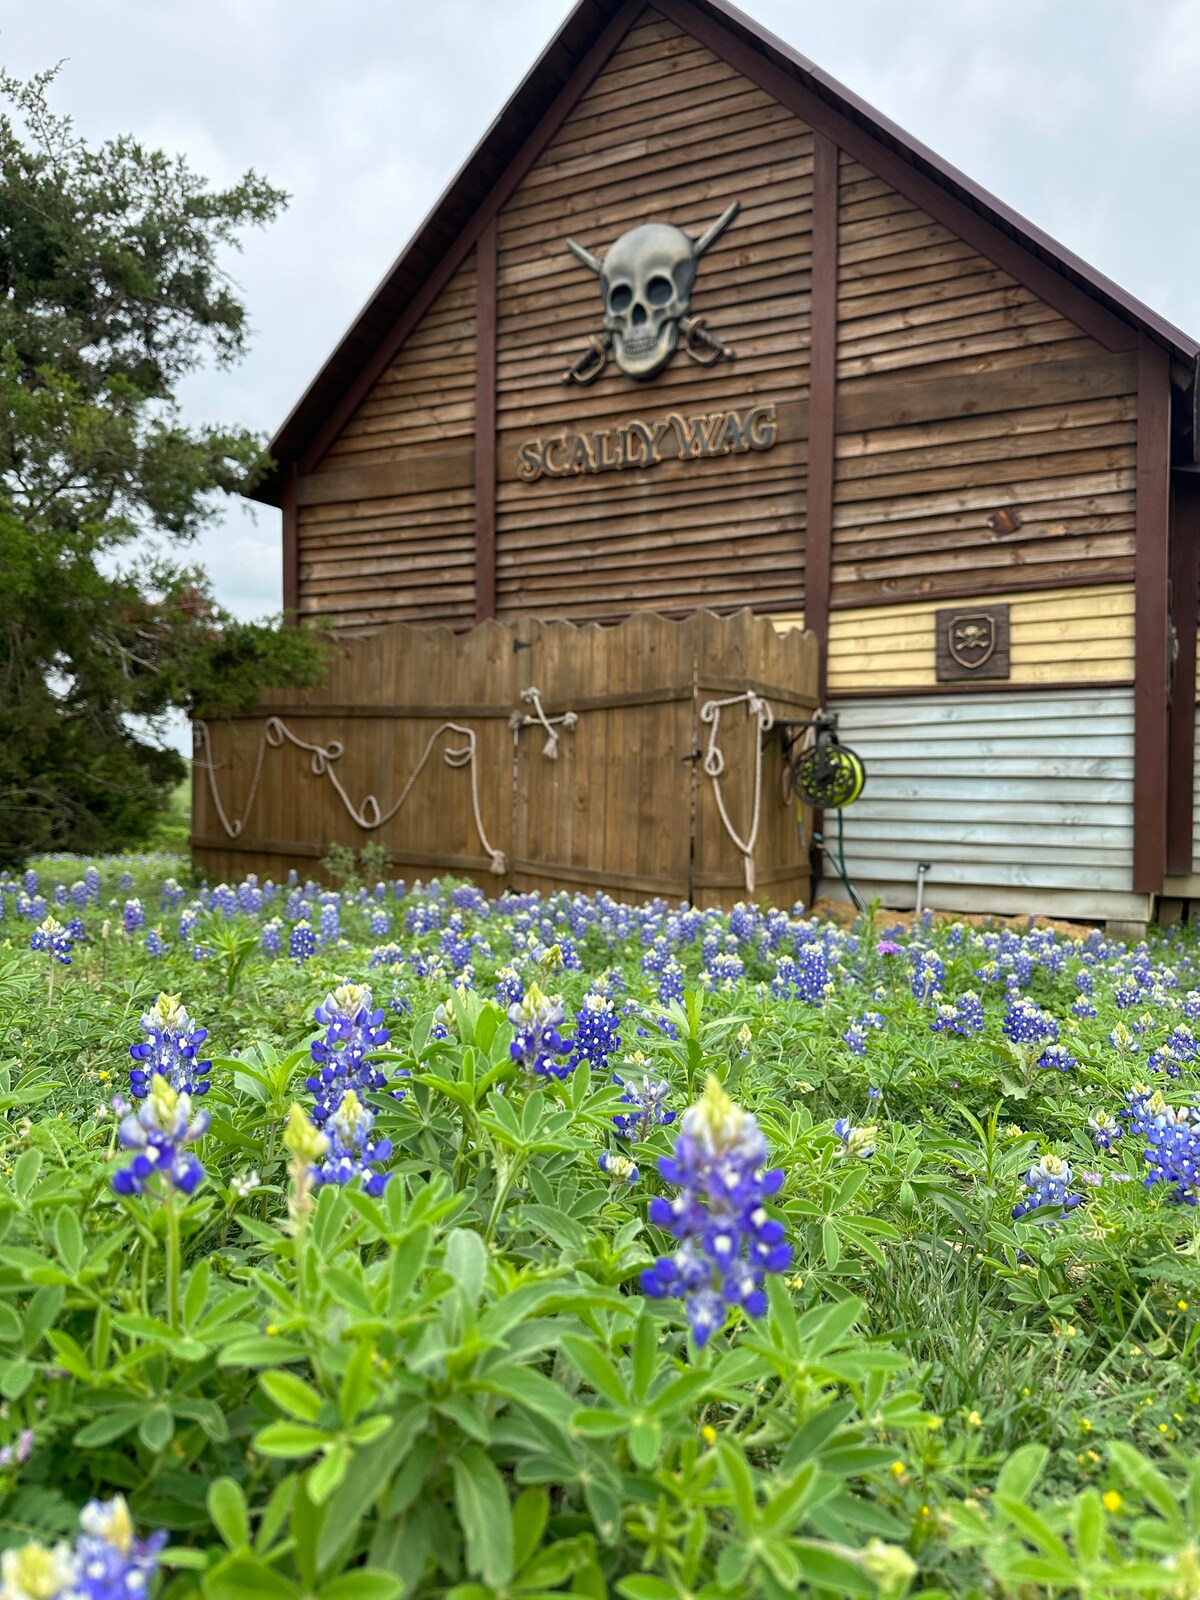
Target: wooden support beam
<point>822,400</point>
<point>485,423</point>
<point>1151,686</point>
<point>291,548</point>
<point>1185,614</point>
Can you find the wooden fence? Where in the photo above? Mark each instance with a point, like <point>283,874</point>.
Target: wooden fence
<point>536,755</point>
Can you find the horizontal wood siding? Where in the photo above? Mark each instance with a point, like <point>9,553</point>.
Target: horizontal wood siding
<point>1019,802</point>
<point>387,520</point>
<point>961,393</point>
<point>667,132</point>
<point>1058,636</point>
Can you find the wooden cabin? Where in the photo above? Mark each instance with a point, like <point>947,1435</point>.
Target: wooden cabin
<point>891,410</point>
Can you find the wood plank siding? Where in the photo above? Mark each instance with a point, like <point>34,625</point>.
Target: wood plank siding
<point>1058,636</point>
<point>1016,800</point>
<point>961,394</point>
<point>666,131</point>
<point>386,522</point>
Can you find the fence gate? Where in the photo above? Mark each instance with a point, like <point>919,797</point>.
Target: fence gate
<point>636,759</point>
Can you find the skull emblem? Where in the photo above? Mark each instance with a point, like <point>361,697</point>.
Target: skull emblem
<point>646,283</point>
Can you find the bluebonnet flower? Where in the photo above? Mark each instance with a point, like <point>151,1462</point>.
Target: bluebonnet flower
<point>1105,1130</point>
<point>727,1242</point>
<point>330,926</point>
<point>354,1027</point>
<point>468,898</point>
<point>272,937</point>
<point>928,975</point>
<point>170,894</point>
<point>1191,1005</point>
<point>538,1047</point>
<point>856,1143</point>
<point>670,983</point>
<point>349,1151</point>
<point>107,1562</point>
<point>744,923</point>
<point>1122,1039</point>
<point>125,881</point>
<point>618,1167</point>
<point>111,1562</point>
<point>79,895</point>
<point>597,1031</point>
<point>1172,1134</point>
<point>169,1050</point>
<point>56,941</point>
<point>133,916</point>
<point>1083,1007</point>
<point>1057,1056</point>
<point>159,1130</point>
<point>648,1098</point>
<point>156,945</point>
<point>60,894</point>
<point>1048,1182</point>
<point>1084,981</point>
<point>302,943</point>
<point>855,1039</point>
<point>508,987</point>
<point>30,881</point>
<point>91,879</point>
<point>1025,1023</point>
<point>378,924</point>
<point>964,1016</point>
<point>806,978</point>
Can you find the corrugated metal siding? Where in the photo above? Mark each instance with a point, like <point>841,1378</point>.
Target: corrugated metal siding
<point>1020,802</point>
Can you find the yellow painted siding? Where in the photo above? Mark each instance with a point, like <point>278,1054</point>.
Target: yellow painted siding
<point>1056,636</point>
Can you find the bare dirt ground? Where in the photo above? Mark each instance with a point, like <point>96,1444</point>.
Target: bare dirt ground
<point>841,912</point>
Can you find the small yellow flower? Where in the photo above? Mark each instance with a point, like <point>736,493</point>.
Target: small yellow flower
<point>708,1434</point>
<point>1085,1424</point>
<point>1162,1428</point>
<point>1181,1305</point>
<point>933,1423</point>
<point>1112,1501</point>
<point>974,1420</point>
<point>272,1330</point>
<point>898,1469</point>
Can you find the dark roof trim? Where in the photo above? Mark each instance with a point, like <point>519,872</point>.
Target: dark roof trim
<point>575,54</point>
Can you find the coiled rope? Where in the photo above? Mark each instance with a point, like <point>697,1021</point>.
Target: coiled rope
<point>714,765</point>
<point>369,817</point>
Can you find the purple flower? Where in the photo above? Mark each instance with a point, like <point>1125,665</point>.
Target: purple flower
<point>538,1047</point>
<point>169,1050</point>
<point>159,1130</point>
<point>1048,1183</point>
<point>727,1241</point>
<point>54,939</point>
<point>349,1151</point>
<point>648,1099</point>
<point>353,1028</point>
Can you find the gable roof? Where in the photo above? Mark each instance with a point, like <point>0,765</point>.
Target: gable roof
<point>573,57</point>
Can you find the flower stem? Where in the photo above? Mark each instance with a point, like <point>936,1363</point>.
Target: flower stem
<point>172,1283</point>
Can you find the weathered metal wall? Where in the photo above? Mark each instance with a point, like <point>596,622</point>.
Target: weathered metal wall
<point>1021,802</point>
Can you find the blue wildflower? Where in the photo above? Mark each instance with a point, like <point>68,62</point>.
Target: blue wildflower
<point>537,1045</point>
<point>648,1098</point>
<point>856,1143</point>
<point>302,943</point>
<point>349,1150</point>
<point>618,1167</point>
<point>56,941</point>
<point>159,1130</point>
<point>1048,1183</point>
<point>133,916</point>
<point>928,975</point>
<point>169,1050</point>
<point>727,1241</point>
<point>597,1032</point>
<point>354,1027</point>
<point>1057,1056</point>
<point>1025,1023</point>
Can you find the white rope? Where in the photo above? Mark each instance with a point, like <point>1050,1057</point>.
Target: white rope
<point>567,721</point>
<point>714,765</point>
<point>369,817</point>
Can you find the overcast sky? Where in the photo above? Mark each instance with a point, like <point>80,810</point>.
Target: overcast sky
<point>1081,114</point>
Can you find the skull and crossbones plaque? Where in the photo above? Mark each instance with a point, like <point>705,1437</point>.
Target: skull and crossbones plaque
<point>972,642</point>
<point>646,282</point>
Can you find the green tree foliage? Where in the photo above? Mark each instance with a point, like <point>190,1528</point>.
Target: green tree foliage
<point>111,292</point>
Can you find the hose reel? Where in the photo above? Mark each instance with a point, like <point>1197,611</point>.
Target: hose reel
<point>824,773</point>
